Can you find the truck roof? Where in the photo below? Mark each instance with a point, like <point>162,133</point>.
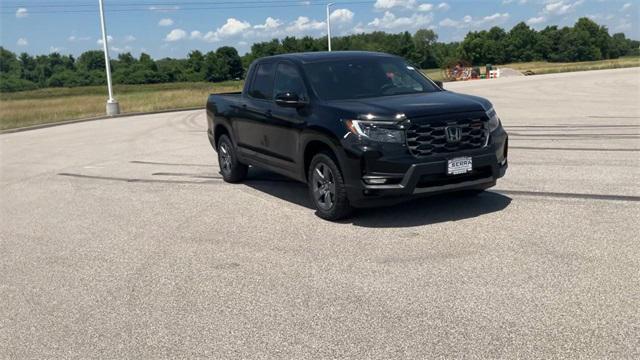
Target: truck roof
<point>309,57</point>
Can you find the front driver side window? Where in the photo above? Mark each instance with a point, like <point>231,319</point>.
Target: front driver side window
<point>288,79</point>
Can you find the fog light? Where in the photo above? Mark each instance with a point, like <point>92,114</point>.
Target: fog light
<point>375,181</point>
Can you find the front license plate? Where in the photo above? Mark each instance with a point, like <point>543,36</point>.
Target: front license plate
<point>461,165</point>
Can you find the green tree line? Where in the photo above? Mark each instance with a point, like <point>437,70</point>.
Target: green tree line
<point>585,41</point>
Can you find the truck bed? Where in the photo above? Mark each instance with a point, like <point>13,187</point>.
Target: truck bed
<point>223,102</point>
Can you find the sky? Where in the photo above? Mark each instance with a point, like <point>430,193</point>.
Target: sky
<point>172,28</point>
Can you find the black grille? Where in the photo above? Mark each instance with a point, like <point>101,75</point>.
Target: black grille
<point>431,138</point>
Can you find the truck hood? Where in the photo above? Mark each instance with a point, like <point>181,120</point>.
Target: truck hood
<point>413,105</point>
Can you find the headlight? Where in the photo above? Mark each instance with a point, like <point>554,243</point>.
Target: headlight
<point>494,121</point>
<point>383,131</point>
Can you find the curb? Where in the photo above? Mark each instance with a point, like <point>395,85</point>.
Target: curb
<point>104,117</point>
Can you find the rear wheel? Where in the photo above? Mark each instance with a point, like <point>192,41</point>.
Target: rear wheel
<point>327,188</point>
<point>230,168</point>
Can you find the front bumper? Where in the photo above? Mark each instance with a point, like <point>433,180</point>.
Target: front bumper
<point>408,177</point>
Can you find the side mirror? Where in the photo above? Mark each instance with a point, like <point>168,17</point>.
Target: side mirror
<point>439,83</point>
<point>289,99</point>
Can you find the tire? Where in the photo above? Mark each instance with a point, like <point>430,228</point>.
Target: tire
<point>231,169</point>
<point>327,189</point>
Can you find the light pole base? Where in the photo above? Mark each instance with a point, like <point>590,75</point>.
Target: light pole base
<point>113,108</point>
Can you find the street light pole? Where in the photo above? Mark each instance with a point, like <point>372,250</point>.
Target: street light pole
<point>329,26</point>
<point>113,108</point>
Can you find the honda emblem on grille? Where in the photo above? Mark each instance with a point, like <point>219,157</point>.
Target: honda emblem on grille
<point>454,134</point>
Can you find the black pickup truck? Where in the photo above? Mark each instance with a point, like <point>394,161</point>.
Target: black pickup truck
<point>360,128</point>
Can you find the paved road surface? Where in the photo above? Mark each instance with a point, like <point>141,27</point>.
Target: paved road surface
<point>119,240</point>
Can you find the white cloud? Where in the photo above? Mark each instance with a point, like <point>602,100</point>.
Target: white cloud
<point>389,21</point>
<point>443,6</point>
<point>449,23</point>
<point>164,8</point>
<point>272,28</point>
<point>109,39</point>
<point>175,35</point>
<point>121,49</point>
<point>165,22</point>
<point>600,17</point>
<point>561,7</point>
<point>303,24</point>
<point>341,16</point>
<point>22,42</point>
<point>557,8</point>
<point>74,38</point>
<point>55,49</point>
<point>495,18</point>
<point>388,4</point>
<point>22,13</point>
<point>240,30</point>
<point>232,27</point>
<point>210,36</point>
<point>129,38</point>
<point>358,28</point>
<point>270,24</point>
<point>468,21</point>
<point>425,7</point>
<point>536,20</point>
<point>625,7</point>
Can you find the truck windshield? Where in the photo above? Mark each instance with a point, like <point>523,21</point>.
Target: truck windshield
<point>364,78</point>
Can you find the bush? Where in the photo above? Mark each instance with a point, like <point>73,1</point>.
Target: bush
<point>137,74</point>
<point>68,78</point>
<point>11,84</point>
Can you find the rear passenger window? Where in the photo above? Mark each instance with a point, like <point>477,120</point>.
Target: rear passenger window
<point>262,85</point>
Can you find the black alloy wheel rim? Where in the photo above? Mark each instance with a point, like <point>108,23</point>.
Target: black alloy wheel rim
<point>323,186</point>
<point>224,157</point>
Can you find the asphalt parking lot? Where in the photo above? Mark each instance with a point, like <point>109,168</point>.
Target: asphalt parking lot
<point>119,240</point>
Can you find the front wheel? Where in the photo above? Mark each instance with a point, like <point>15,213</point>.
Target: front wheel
<point>230,168</point>
<point>327,188</point>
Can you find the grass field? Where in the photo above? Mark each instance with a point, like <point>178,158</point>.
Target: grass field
<point>59,104</point>
<point>542,67</point>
